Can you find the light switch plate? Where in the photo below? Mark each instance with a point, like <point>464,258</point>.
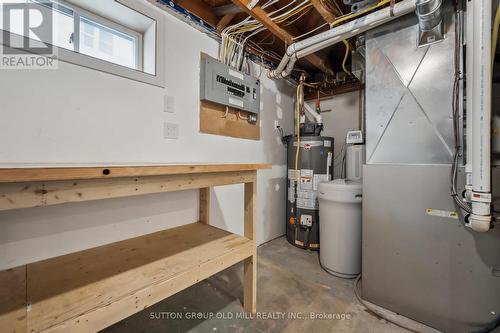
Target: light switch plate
<point>170,131</point>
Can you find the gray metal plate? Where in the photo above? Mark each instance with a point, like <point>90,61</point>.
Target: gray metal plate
<point>223,85</point>
<point>431,269</point>
<point>408,96</point>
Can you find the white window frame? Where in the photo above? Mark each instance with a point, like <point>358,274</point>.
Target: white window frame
<point>76,58</point>
<point>82,13</point>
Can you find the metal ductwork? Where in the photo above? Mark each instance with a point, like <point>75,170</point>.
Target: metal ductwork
<point>430,21</point>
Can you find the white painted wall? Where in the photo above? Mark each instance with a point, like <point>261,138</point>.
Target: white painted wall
<point>342,116</point>
<point>78,116</point>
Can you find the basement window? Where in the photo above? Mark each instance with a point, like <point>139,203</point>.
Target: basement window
<point>120,37</point>
<point>103,42</point>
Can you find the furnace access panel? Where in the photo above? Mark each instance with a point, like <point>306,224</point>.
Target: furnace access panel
<point>223,85</point>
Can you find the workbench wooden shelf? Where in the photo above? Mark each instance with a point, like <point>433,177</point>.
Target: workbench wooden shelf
<point>89,290</point>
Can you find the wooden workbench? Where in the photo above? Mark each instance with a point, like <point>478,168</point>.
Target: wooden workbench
<point>89,290</point>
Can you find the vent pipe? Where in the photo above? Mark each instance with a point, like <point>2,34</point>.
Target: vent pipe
<point>429,14</point>
<point>430,21</point>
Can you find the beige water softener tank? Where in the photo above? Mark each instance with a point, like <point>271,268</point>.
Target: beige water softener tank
<point>340,218</point>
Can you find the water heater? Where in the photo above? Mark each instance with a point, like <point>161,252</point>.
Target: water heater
<point>314,166</point>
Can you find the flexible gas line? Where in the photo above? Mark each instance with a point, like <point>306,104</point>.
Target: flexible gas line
<point>297,110</point>
<point>347,49</point>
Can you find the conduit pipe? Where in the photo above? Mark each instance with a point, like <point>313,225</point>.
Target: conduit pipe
<point>480,218</point>
<point>325,39</point>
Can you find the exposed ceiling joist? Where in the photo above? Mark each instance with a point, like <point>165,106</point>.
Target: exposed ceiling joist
<point>224,22</point>
<point>325,12</point>
<point>339,90</point>
<point>227,9</point>
<point>200,9</point>
<point>261,15</point>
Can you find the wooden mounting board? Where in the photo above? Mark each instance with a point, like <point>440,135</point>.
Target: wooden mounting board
<point>212,122</point>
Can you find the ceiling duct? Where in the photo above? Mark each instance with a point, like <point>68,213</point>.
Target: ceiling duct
<point>430,21</point>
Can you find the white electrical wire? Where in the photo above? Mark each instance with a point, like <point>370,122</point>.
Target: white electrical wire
<point>236,36</point>
<point>310,32</point>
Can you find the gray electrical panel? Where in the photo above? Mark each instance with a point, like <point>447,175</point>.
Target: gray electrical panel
<point>223,85</point>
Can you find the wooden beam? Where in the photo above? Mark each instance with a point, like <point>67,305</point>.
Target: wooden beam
<point>17,175</point>
<point>258,13</point>
<point>224,22</point>
<point>325,12</point>
<point>39,194</point>
<point>338,90</point>
<point>200,9</point>
<point>205,205</point>
<point>261,15</point>
<point>230,8</point>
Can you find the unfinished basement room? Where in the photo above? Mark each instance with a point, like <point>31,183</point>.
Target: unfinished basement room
<point>249,166</point>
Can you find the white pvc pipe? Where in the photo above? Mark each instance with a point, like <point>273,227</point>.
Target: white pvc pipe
<point>481,118</point>
<point>317,117</point>
<point>325,39</point>
<point>470,96</point>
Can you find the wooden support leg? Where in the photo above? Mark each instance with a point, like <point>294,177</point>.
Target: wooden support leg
<point>250,264</point>
<point>205,205</point>
<point>13,315</point>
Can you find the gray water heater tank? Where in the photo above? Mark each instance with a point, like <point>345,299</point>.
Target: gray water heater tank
<point>314,167</point>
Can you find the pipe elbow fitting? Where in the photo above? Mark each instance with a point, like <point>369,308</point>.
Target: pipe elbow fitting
<point>290,50</point>
<point>479,223</point>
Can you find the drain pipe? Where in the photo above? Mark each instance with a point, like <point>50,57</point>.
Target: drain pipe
<point>325,39</point>
<point>480,218</point>
<point>470,96</point>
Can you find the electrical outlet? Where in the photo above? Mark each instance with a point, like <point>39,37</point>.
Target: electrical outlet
<point>170,131</point>
<point>276,124</point>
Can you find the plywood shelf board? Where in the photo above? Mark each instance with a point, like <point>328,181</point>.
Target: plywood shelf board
<point>65,290</point>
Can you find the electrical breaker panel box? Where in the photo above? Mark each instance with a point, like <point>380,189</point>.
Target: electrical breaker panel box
<point>223,85</point>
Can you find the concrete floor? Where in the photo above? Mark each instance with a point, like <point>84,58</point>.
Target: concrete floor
<point>290,281</point>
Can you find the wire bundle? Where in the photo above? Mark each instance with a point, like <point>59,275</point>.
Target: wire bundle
<point>237,36</point>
